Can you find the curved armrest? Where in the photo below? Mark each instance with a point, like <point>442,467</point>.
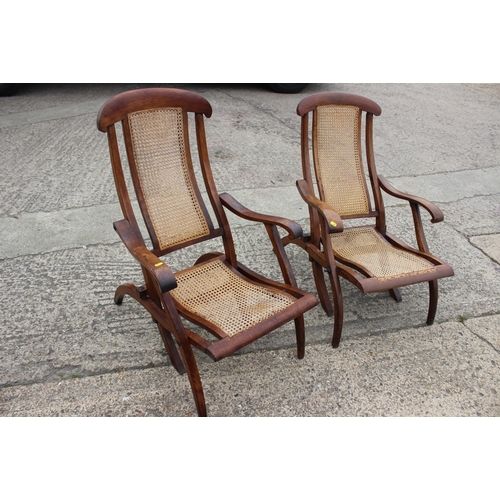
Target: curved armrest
<point>332,218</point>
<point>294,230</point>
<point>162,273</point>
<point>436,214</point>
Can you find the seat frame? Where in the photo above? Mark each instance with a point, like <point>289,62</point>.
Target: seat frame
<point>325,220</point>
<point>159,280</point>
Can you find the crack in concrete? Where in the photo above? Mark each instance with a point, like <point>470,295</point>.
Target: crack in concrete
<point>479,336</point>
<point>479,248</point>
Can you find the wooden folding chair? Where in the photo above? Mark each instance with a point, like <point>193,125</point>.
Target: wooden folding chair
<point>367,256</point>
<point>234,304</point>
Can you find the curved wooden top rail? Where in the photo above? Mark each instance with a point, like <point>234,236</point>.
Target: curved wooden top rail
<point>118,107</point>
<point>310,103</point>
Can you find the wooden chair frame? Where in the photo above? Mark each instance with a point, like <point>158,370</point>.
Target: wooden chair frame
<point>325,219</point>
<point>156,294</point>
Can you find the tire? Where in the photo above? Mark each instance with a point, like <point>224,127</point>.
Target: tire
<point>8,88</point>
<point>287,88</point>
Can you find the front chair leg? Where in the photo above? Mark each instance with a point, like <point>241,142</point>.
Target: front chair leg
<point>433,300</point>
<point>194,379</point>
<point>187,355</point>
<point>338,305</point>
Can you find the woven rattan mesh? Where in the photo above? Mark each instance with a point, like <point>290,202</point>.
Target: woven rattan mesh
<point>160,156</point>
<point>338,165</point>
<point>364,246</point>
<point>217,294</point>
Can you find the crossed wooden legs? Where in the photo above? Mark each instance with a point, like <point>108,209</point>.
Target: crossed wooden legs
<point>338,304</point>
<point>167,319</point>
<point>183,362</point>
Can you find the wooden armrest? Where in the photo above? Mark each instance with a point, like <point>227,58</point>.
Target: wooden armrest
<point>162,273</point>
<point>436,214</point>
<point>332,218</point>
<point>294,230</point>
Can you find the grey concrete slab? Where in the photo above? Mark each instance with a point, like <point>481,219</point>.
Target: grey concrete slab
<point>47,114</point>
<point>474,216</point>
<point>451,186</point>
<point>423,128</point>
<point>489,88</point>
<point>40,174</point>
<point>444,370</point>
<point>487,329</point>
<point>40,232</point>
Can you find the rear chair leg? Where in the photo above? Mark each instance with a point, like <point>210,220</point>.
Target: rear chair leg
<point>301,337</point>
<point>127,289</point>
<point>396,294</point>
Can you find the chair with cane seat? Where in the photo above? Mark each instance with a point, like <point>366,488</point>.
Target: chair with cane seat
<point>367,256</point>
<point>234,304</point>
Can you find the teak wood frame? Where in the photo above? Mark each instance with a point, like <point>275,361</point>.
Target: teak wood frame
<point>325,220</point>
<point>154,295</point>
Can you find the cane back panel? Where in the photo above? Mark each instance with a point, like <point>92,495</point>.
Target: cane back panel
<point>162,162</point>
<point>338,163</point>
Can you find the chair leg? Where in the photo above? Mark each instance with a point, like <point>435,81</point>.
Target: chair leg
<point>319,280</point>
<point>186,362</point>
<point>122,290</point>
<point>194,379</point>
<point>338,305</point>
<point>396,294</point>
<point>433,300</point>
<point>171,349</point>
<point>301,336</point>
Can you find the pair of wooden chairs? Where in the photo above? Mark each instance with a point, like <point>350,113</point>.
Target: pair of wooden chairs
<point>234,304</point>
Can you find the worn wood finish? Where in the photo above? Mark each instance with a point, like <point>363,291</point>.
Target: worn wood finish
<point>117,108</point>
<point>312,102</point>
<point>326,221</point>
<point>120,183</point>
<point>156,295</point>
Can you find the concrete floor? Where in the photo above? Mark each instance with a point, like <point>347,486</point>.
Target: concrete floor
<point>67,350</point>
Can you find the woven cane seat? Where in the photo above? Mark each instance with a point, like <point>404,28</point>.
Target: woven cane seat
<point>338,166</point>
<point>215,292</point>
<point>364,246</point>
<point>160,154</point>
